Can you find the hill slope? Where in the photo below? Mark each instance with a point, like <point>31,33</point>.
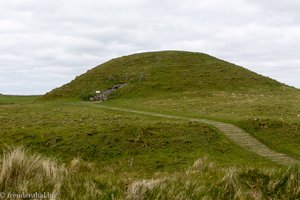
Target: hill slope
<point>165,73</point>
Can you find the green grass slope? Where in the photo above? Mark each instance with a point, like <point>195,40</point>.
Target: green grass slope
<point>125,142</point>
<point>197,85</point>
<point>164,74</point>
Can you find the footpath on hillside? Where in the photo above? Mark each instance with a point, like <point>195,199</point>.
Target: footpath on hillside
<point>236,134</point>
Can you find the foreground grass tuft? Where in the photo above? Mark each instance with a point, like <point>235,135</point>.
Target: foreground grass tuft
<point>206,180</point>
<point>24,172</point>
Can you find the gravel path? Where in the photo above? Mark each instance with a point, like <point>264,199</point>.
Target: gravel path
<point>236,134</point>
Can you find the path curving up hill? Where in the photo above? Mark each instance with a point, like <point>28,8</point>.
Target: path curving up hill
<point>236,134</point>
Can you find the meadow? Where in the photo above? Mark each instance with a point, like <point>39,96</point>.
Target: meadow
<point>81,151</point>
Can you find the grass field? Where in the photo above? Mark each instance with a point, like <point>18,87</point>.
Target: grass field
<point>273,118</point>
<point>129,156</point>
<point>118,155</point>
<point>12,99</point>
<point>69,130</point>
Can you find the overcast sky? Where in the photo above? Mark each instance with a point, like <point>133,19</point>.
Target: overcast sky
<point>46,43</point>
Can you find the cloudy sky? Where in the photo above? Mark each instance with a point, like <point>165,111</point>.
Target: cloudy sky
<point>46,43</point>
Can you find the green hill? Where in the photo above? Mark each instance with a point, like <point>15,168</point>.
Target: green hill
<point>196,85</point>
<point>172,132</point>
<point>165,73</point>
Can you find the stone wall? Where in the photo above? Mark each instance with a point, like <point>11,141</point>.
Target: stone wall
<point>104,95</point>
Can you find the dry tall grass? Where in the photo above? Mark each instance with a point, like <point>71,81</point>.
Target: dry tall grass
<point>23,172</point>
<point>26,173</point>
<point>206,180</point>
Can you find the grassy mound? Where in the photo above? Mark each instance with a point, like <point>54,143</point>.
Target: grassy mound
<point>163,74</point>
